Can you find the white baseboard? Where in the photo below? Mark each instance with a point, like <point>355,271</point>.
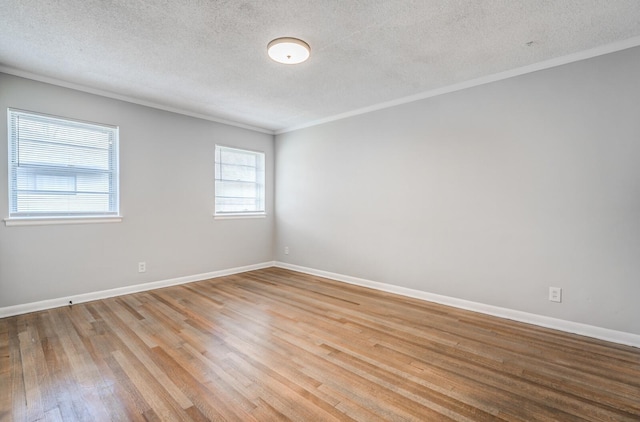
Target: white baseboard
<point>103,294</point>
<point>540,320</point>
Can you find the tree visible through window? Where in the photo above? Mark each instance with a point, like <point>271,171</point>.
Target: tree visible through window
<point>61,168</point>
<point>239,176</point>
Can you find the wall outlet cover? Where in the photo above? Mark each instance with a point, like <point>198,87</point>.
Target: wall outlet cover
<point>555,294</point>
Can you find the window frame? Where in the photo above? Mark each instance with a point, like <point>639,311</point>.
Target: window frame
<point>260,176</point>
<point>65,216</point>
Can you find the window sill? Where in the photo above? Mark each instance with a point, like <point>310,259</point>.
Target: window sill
<point>41,221</point>
<point>238,216</point>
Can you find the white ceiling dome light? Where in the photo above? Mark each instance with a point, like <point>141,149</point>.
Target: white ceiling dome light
<point>288,50</point>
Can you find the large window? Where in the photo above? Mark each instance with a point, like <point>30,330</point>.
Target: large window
<point>239,182</point>
<point>61,168</point>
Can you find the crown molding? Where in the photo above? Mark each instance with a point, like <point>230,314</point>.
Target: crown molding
<point>129,99</point>
<point>547,64</point>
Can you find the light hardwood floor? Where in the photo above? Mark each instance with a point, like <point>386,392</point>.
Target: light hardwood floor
<point>274,344</point>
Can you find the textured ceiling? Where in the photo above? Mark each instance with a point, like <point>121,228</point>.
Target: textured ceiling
<point>209,57</point>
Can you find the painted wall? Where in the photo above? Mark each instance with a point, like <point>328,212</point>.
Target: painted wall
<point>167,201</point>
<point>490,194</point>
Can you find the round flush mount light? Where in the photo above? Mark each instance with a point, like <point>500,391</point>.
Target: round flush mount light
<point>288,50</point>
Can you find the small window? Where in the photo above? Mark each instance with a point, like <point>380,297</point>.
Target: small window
<point>61,168</point>
<point>239,182</point>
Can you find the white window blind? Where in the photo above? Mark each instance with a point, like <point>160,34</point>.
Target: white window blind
<point>61,168</point>
<point>239,181</point>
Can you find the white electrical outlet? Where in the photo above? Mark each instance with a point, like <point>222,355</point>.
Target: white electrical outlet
<point>286,250</point>
<point>555,294</point>
<point>142,267</point>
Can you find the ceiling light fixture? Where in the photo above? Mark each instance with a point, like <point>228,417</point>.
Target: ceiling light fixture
<point>288,50</point>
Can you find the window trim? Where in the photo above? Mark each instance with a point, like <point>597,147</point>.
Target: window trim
<point>61,217</point>
<point>244,216</point>
<point>44,221</point>
<point>232,215</point>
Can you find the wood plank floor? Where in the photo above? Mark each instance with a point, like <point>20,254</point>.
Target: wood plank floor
<point>274,344</point>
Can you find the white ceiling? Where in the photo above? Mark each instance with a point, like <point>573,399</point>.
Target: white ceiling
<point>207,57</point>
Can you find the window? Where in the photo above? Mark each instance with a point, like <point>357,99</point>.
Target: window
<point>239,182</point>
<point>61,168</point>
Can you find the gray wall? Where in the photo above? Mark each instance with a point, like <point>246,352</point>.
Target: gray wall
<point>490,194</point>
<point>167,201</point>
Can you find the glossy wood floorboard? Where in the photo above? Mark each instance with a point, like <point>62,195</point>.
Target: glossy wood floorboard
<point>275,345</point>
